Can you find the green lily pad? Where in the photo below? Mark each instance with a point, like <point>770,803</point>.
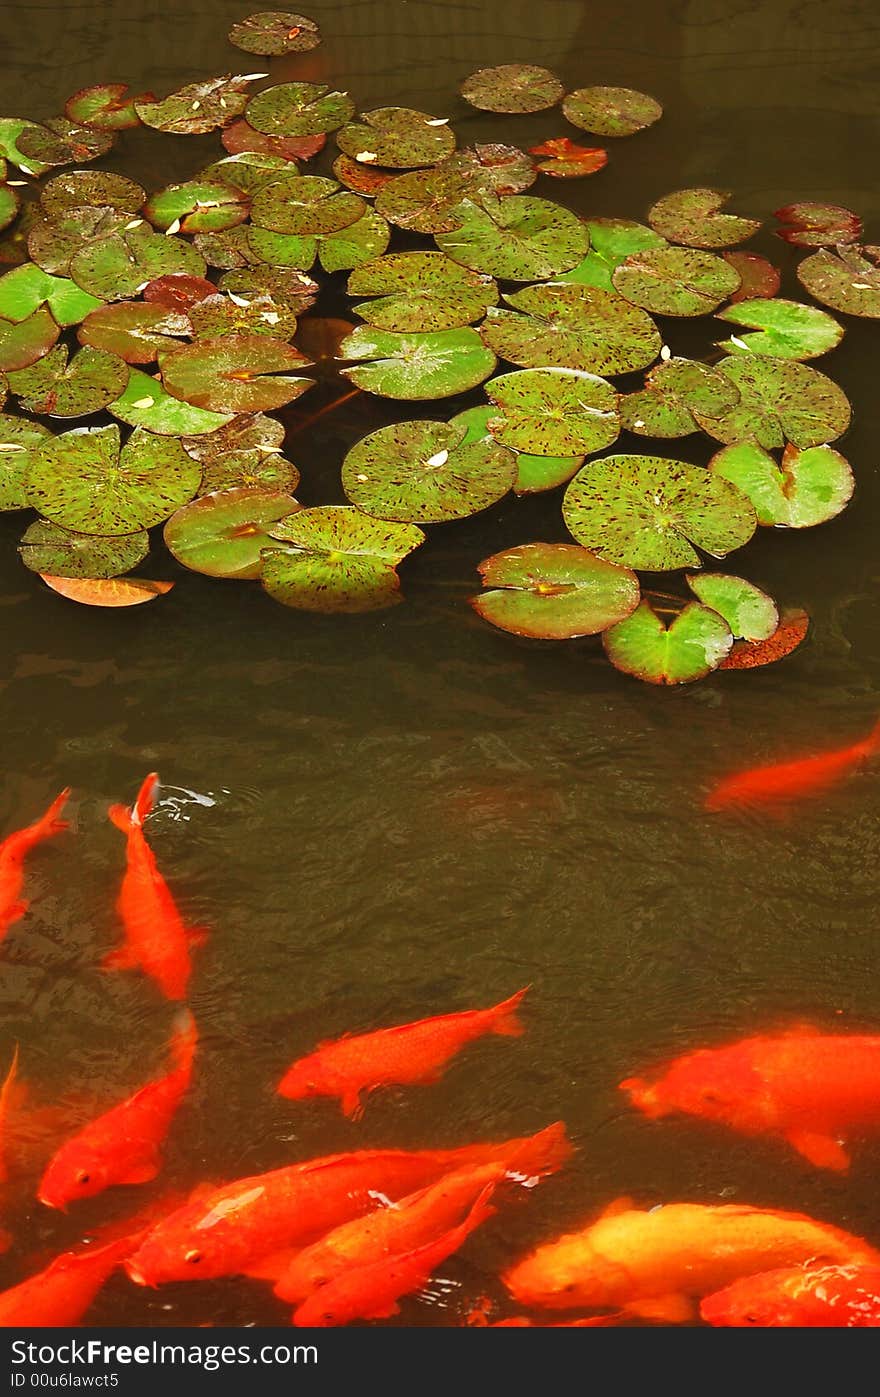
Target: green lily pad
<point>653,514</point>
<point>533,473</point>
<point>424,201</point>
<point>299,109</point>
<point>83,481</point>
<point>282,249</point>
<point>695,643</point>
<point>133,331</point>
<point>145,403</point>
<point>178,291</point>
<point>62,142</point>
<point>292,287</point>
<point>554,591</point>
<point>612,240</point>
<point>517,238</point>
<point>758,277</point>
<point>241,136</point>
<point>749,612</point>
<point>361,179</point>
<point>573,327</point>
<point>197,207</point>
<point>424,473</point>
<point>553,412</point>
<point>808,224</point>
<point>275,32</point>
<point>846,280</point>
<point>359,242</point>
<point>611,111</point>
<point>492,168</point>
<point>79,189</point>
<point>18,438</point>
<point>118,267</point>
<point>420,291</point>
<point>259,314</point>
<point>433,365</point>
<point>251,470</point>
<point>25,289</point>
<point>247,171</point>
<point>92,379</point>
<point>789,634</point>
<point>23,343</point>
<point>47,547</point>
<point>305,205</point>
<point>691,216</point>
<point>512,87</point>
<point>808,486</point>
<point>673,391</point>
<point>675,280</point>
<point>11,128</point>
<point>779,399</point>
<point>54,243</point>
<point>198,107</point>
<point>9,205</point>
<point>246,435</point>
<point>785,329</point>
<point>398,138</point>
<point>228,250</point>
<point>232,373</point>
<point>338,560</point>
<point>105,107</point>
<point>223,534</point>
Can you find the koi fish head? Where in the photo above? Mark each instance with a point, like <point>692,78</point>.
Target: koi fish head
<point>74,1173</point>
<point>200,1241</point>
<point>307,1078</point>
<point>713,1085</point>
<point>306,1274</point>
<point>754,1302</point>
<point>568,1274</point>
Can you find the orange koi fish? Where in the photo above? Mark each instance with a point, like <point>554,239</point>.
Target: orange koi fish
<point>372,1291</point>
<point>123,1145</point>
<point>657,1264</point>
<point>787,781</point>
<point>256,1224</point>
<point>5,1101</point>
<point>812,1089</point>
<point>62,1293</point>
<point>156,940</point>
<point>408,1054</point>
<point>13,850</point>
<point>797,1297</point>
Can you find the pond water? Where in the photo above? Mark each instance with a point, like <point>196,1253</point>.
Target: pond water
<point>407,813</point>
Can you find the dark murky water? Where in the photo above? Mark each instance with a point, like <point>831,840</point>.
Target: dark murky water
<point>408,813</point>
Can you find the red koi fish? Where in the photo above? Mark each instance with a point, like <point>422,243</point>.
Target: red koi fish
<point>156,940</point>
<point>372,1291</point>
<point>256,1224</point>
<point>787,781</point>
<point>13,850</point>
<point>408,1054</point>
<point>797,1297</point>
<point>6,1092</point>
<point>810,1088</point>
<point>123,1145</point>
<point>61,1295</point>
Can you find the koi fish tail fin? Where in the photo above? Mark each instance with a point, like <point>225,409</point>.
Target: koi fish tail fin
<point>49,823</point>
<point>184,1041</point>
<point>643,1096</point>
<point>482,1209</point>
<point>504,1016</point>
<point>146,798</point>
<point>541,1154</point>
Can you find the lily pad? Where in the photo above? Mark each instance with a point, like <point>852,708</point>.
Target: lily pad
<point>223,534</point>
<point>517,238</point>
<point>675,280</point>
<point>178,291</point>
<point>83,481</point>
<point>749,612</point>
<point>197,207</point>
<point>785,329</point>
<point>62,142</point>
<point>433,365</point>
<point>92,379</point>
<point>758,277</point>
<point>361,179</point>
<point>251,470</point>
<point>492,168</point>
<point>106,106</point>
<point>807,224</point>
<point>259,314</point>
<point>275,32</point>
<point>241,136</point>
<point>26,288</point>
<point>78,189</point>
<point>198,107</point>
<point>574,327</point>
<point>612,240</point>
<point>533,473</point>
<point>18,438</point>
<point>133,331</point>
<point>247,171</point>
<point>424,201</point>
<point>23,343</point>
<point>118,267</point>
<point>808,487</point>
<point>358,243</point>
<point>424,473</point>
<point>54,243</point>
<point>420,291</point>
<point>305,205</point>
<point>779,399</point>
<point>398,138</point>
<point>553,412</point>
<point>653,514</point>
<point>611,111</point>
<point>245,436</point>
<point>296,290</point>
<point>47,547</point>
<point>338,560</point>
<point>115,591</point>
<point>11,129</point>
<point>282,249</point>
<point>13,242</point>
<point>145,403</point>
<point>299,109</point>
<point>691,217</point>
<point>673,391</point>
<point>512,87</point>
<point>228,250</point>
<point>847,280</point>
<point>565,159</point>
<point>231,373</point>
<point>554,591</point>
<point>789,634</point>
<point>9,205</point>
<point>696,642</point>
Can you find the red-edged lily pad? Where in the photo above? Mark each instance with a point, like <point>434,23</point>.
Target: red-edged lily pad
<point>132,330</point>
<point>696,642</point>
<point>178,291</point>
<point>228,314</point>
<point>807,224</point>
<point>25,342</point>
<point>197,207</point>
<point>847,279</point>
<point>749,612</point>
<point>222,534</point>
<point>241,137</point>
<point>565,159</point>
<point>235,373</point>
<point>758,277</point>
<point>554,591</point>
<point>198,107</point>
<point>106,106</point>
<point>789,634</point>
<point>806,488</point>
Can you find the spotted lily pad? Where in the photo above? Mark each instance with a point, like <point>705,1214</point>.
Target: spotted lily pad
<point>749,612</point>
<point>83,481</point>
<point>198,107</point>
<point>62,142</point>
<point>337,560</point>
<point>533,473</point>
<point>420,291</point>
<point>275,32</point>
<point>132,330</point>
<point>247,435</point>
<point>47,547</point>
<point>241,137</point>
<point>114,591</point>
<point>847,280</point>
<point>784,329</point>
<point>178,291</point>
<point>653,514</point>
<point>9,205</point>
<point>398,138</point>
<point>433,365</point>
<point>808,486</point>
<point>106,107</point>
<point>305,205</point>
<point>297,291</point>
<point>118,267</point>
<point>758,277</point>
<point>18,438</point>
<point>807,224</point>
<point>299,109</point>
<point>77,189</point>
<point>425,473</point>
<point>554,591</point>
<point>223,534</point>
<point>675,280</point>
<point>553,412</point>
<point>358,243</point>
<point>26,288</point>
<point>361,179</point>
<point>228,250</point>
<point>235,373</point>
<point>673,391</point>
<point>11,129</point>
<point>259,314</point>
<point>145,403</point>
<point>611,111</point>
<point>565,159</point>
<point>424,201</point>
<point>92,379</point>
<point>26,341</point>
<point>517,238</point>
<point>779,399</point>
<point>248,171</point>
<point>512,87</point>
<point>197,207</point>
<point>53,243</point>
<point>251,470</point>
<point>789,634</point>
<point>491,168</point>
<point>13,242</point>
<point>692,217</point>
<point>695,643</point>
<point>612,240</point>
<point>574,327</point>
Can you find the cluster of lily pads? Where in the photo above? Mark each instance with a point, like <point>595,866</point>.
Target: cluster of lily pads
<point>108,312</point>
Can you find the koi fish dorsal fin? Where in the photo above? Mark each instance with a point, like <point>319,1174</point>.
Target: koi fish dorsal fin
<point>623,1204</point>
<point>120,816</point>
<point>821,1150</point>
<point>146,797</point>
<point>49,822</point>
